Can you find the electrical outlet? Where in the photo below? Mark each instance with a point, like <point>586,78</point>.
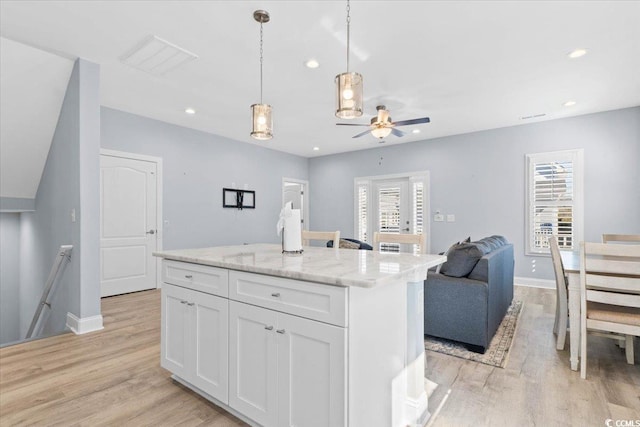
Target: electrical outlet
<point>73,215</point>
<point>451,218</point>
<point>438,217</point>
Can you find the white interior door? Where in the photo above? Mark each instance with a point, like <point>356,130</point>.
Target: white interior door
<point>392,211</point>
<point>128,225</point>
<point>296,192</point>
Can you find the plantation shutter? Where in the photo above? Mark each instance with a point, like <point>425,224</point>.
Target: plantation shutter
<point>389,199</point>
<point>552,200</point>
<point>362,201</point>
<point>417,210</point>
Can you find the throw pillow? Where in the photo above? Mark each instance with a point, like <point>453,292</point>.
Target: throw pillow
<point>461,260</point>
<point>345,244</point>
<point>439,267</point>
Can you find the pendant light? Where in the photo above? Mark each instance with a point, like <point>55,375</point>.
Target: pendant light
<point>261,113</point>
<point>348,86</point>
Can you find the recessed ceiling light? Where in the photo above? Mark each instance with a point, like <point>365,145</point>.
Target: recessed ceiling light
<point>190,111</point>
<point>316,148</point>
<point>415,131</point>
<point>569,104</point>
<point>577,53</point>
<point>312,63</point>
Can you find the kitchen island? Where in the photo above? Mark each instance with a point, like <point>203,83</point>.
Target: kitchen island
<point>323,338</point>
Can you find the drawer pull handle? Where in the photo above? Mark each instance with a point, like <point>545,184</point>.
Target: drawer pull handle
<point>183,302</point>
<point>280,331</point>
<point>188,276</point>
<point>269,328</point>
<point>190,303</point>
<point>276,295</point>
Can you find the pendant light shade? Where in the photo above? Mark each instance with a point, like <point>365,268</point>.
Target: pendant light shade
<point>348,85</point>
<point>262,121</point>
<point>348,95</point>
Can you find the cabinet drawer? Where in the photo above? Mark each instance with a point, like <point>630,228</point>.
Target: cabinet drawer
<point>311,300</point>
<point>203,278</point>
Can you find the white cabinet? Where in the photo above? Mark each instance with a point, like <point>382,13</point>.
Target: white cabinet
<point>285,370</point>
<point>194,342</point>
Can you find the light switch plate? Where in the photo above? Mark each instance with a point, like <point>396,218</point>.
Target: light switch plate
<point>451,218</point>
<point>438,218</point>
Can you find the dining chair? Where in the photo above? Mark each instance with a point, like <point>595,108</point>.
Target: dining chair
<point>621,238</point>
<point>609,294</point>
<point>415,239</point>
<point>562,311</point>
<point>320,235</point>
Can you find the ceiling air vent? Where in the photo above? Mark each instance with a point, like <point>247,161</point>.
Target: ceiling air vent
<point>157,56</point>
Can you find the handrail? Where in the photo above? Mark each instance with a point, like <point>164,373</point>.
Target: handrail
<point>64,253</point>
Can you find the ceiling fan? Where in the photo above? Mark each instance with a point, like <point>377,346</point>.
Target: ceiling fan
<point>381,125</point>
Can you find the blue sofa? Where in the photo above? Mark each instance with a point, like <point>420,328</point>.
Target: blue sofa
<point>468,298</point>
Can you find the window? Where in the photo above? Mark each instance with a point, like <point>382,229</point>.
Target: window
<point>391,204</point>
<point>554,200</point>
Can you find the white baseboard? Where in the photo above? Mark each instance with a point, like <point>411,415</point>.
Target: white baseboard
<point>535,283</point>
<point>84,325</point>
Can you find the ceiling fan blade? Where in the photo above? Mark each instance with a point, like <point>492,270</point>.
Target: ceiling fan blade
<point>397,132</point>
<point>361,134</point>
<point>412,122</point>
<point>352,124</point>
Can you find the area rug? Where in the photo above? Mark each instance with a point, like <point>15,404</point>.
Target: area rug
<point>498,351</point>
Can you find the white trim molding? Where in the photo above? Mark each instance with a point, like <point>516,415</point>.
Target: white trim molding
<point>534,283</point>
<point>84,325</point>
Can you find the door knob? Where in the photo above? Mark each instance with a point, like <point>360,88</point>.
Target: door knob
<point>151,232</point>
<point>269,328</point>
<point>405,229</point>
<point>280,331</point>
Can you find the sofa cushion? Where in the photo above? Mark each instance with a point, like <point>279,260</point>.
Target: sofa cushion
<point>461,259</point>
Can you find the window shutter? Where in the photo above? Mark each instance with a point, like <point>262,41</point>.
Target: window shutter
<point>362,201</point>
<point>553,200</point>
<point>417,198</point>
<point>389,215</point>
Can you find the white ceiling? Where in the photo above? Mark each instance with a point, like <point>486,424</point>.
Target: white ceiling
<point>29,107</point>
<point>468,65</point>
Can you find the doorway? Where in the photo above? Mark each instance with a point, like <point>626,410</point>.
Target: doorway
<point>130,222</point>
<point>296,191</point>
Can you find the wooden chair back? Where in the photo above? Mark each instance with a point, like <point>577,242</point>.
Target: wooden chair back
<point>610,293</point>
<point>415,239</point>
<point>562,312</point>
<point>321,235</point>
<point>621,238</point>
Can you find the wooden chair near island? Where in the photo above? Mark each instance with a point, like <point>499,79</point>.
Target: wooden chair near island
<point>415,239</point>
<point>320,235</point>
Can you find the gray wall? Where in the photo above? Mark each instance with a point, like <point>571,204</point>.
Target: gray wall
<point>9,277</point>
<point>196,166</point>
<point>70,181</point>
<point>480,177</point>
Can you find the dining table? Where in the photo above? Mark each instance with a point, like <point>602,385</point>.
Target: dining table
<point>571,264</point>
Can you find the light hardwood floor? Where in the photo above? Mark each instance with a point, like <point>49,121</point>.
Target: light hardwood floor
<point>113,377</point>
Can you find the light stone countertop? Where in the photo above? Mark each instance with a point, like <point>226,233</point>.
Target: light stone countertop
<point>342,267</point>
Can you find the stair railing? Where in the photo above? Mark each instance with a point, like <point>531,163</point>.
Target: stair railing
<point>63,258</point>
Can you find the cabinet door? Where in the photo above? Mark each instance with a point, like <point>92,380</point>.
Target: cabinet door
<point>252,362</point>
<point>174,330</point>
<point>209,327</point>
<point>312,373</point>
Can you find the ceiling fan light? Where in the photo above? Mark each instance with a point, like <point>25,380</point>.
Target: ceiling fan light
<point>262,122</point>
<point>382,132</point>
<point>349,95</point>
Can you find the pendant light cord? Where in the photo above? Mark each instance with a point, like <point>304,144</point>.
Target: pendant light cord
<point>348,31</point>
<point>261,62</point>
